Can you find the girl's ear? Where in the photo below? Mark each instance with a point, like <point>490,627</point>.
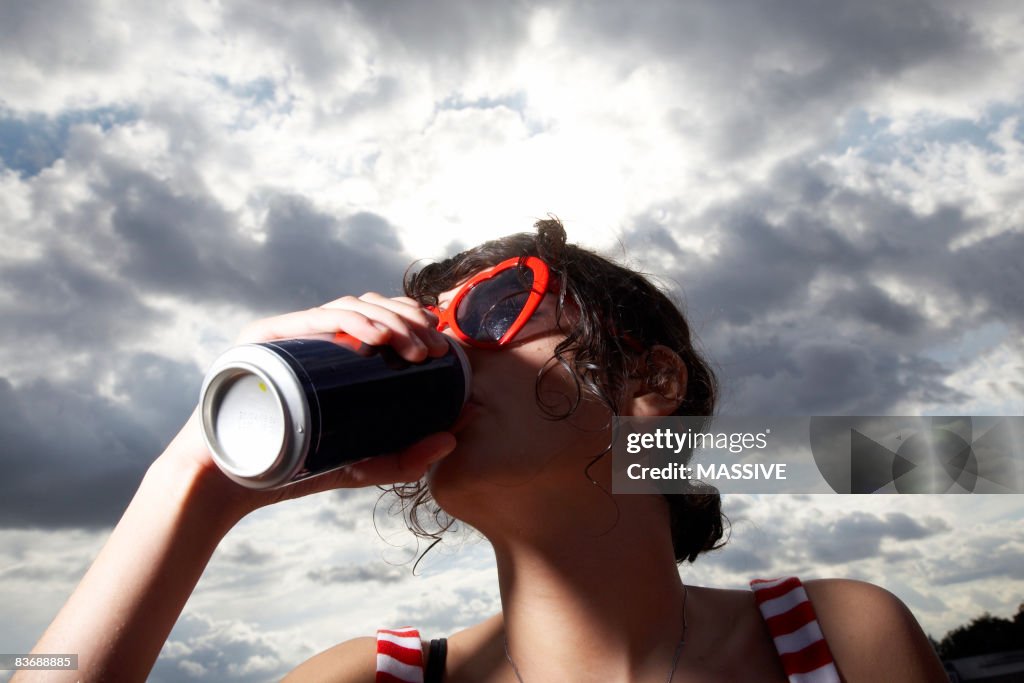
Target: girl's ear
<point>659,384</point>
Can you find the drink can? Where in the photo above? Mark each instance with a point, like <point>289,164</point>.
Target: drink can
<point>281,411</point>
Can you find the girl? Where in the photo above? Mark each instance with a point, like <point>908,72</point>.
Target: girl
<point>560,340</point>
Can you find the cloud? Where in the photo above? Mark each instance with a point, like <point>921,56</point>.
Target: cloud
<point>183,243</point>
<point>82,474</point>
<point>787,534</point>
<point>69,299</point>
<point>80,300</point>
<point>799,61</point>
<point>377,572</point>
<point>444,613</point>
<point>81,35</point>
<point>985,555</point>
<point>33,142</point>
<point>204,648</point>
<point>765,295</point>
<point>247,553</point>
<point>743,561</point>
<point>831,191</point>
<point>859,535</point>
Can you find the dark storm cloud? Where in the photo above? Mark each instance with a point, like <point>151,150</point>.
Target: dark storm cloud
<point>872,37</point>
<point>801,62</point>
<point>791,310</point>
<point>874,307</point>
<point>992,270</point>
<point>72,302</point>
<point>73,457</point>
<point>449,34</point>
<point>317,258</point>
<point>185,244</point>
<point>762,266</point>
<point>162,240</point>
<point>450,27</point>
<point>161,391</point>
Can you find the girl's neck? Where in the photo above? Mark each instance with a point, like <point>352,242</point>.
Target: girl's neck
<point>592,606</point>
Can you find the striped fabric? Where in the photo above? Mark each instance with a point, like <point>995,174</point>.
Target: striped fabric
<point>795,630</point>
<point>783,604</point>
<point>399,656</point>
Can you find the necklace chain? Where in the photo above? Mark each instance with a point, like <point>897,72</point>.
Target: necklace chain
<point>675,657</point>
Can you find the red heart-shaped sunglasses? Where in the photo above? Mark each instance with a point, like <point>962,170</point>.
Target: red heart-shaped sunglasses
<point>494,305</point>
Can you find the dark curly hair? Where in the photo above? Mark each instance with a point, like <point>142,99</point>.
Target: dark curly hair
<point>611,304</point>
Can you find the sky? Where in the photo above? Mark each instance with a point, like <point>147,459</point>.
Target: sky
<point>831,191</point>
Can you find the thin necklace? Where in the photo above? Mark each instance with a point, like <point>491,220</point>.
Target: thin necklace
<point>675,657</point>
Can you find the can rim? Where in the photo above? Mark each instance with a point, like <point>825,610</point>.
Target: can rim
<point>216,388</point>
<point>264,363</point>
<point>467,368</point>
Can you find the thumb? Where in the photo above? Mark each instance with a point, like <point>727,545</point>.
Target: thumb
<point>407,466</point>
<point>412,463</point>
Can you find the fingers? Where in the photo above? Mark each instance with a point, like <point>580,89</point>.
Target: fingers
<point>413,328</point>
<point>312,322</point>
<point>372,318</point>
<point>407,466</point>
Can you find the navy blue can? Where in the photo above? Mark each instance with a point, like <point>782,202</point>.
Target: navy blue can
<point>281,411</point>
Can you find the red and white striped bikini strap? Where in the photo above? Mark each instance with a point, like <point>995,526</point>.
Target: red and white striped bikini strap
<point>791,620</point>
<point>399,656</point>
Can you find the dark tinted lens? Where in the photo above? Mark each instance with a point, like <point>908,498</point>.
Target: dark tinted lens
<point>489,309</point>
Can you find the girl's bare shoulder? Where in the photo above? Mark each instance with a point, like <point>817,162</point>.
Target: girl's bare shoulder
<point>871,633</point>
<point>353,661</point>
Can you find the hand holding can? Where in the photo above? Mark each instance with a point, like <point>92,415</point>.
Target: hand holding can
<point>277,412</point>
<point>399,323</point>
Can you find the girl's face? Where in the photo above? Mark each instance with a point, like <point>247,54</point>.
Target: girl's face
<point>507,446</point>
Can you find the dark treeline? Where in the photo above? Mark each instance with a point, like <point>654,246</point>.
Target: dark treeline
<point>984,635</point>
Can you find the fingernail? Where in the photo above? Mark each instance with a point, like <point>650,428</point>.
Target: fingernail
<point>381,326</point>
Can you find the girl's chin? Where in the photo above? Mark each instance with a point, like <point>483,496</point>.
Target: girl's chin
<point>468,416</point>
<point>466,470</point>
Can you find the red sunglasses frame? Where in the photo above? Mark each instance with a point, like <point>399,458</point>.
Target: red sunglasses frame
<point>541,278</point>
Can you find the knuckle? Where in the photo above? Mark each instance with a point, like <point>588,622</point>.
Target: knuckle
<point>397,321</point>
